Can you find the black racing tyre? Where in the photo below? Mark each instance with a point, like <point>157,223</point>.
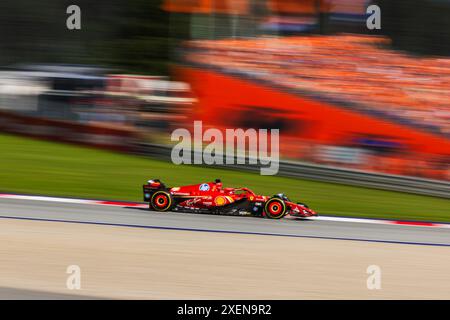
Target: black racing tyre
<point>275,208</point>
<point>161,201</point>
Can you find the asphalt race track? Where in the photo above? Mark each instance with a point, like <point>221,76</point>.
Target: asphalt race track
<point>139,217</point>
<point>133,253</point>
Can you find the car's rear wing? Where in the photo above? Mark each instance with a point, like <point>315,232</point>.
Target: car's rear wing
<point>152,186</point>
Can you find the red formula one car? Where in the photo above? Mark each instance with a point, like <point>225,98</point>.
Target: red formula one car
<point>211,197</point>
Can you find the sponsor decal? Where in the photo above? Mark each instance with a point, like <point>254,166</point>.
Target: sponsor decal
<point>220,201</point>
<point>229,199</point>
<point>191,202</point>
<point>183,194</point>
<point>204,187</point>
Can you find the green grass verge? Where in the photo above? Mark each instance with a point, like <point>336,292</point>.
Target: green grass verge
<point>32,166</point>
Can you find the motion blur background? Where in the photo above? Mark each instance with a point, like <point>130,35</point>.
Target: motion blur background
<point>343,96</point>
<point>364,132</point>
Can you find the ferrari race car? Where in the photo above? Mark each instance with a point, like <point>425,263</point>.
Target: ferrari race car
<point>212,198</point>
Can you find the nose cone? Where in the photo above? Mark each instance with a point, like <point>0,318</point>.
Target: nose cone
<point>307,212</point>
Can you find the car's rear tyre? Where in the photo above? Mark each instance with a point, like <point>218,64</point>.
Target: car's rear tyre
<point>161,201</point>
<point>275,208</point>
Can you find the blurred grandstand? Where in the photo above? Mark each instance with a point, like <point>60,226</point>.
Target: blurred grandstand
<point>339,95</point>
<point>344,68</point>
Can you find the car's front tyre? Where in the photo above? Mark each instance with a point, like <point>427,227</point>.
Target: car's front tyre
<point>275,208</point>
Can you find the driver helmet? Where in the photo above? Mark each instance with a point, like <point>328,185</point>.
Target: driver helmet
<point>282,196</point>
<point>218,183</point>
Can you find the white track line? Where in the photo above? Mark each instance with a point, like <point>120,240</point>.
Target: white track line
<point>143,205</point>
<point>383,221</point>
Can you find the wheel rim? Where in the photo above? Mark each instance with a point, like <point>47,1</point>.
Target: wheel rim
<point>275,208</point>
<point>161,201</point>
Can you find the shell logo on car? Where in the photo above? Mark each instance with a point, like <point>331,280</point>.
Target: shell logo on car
<point>222,200</point>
